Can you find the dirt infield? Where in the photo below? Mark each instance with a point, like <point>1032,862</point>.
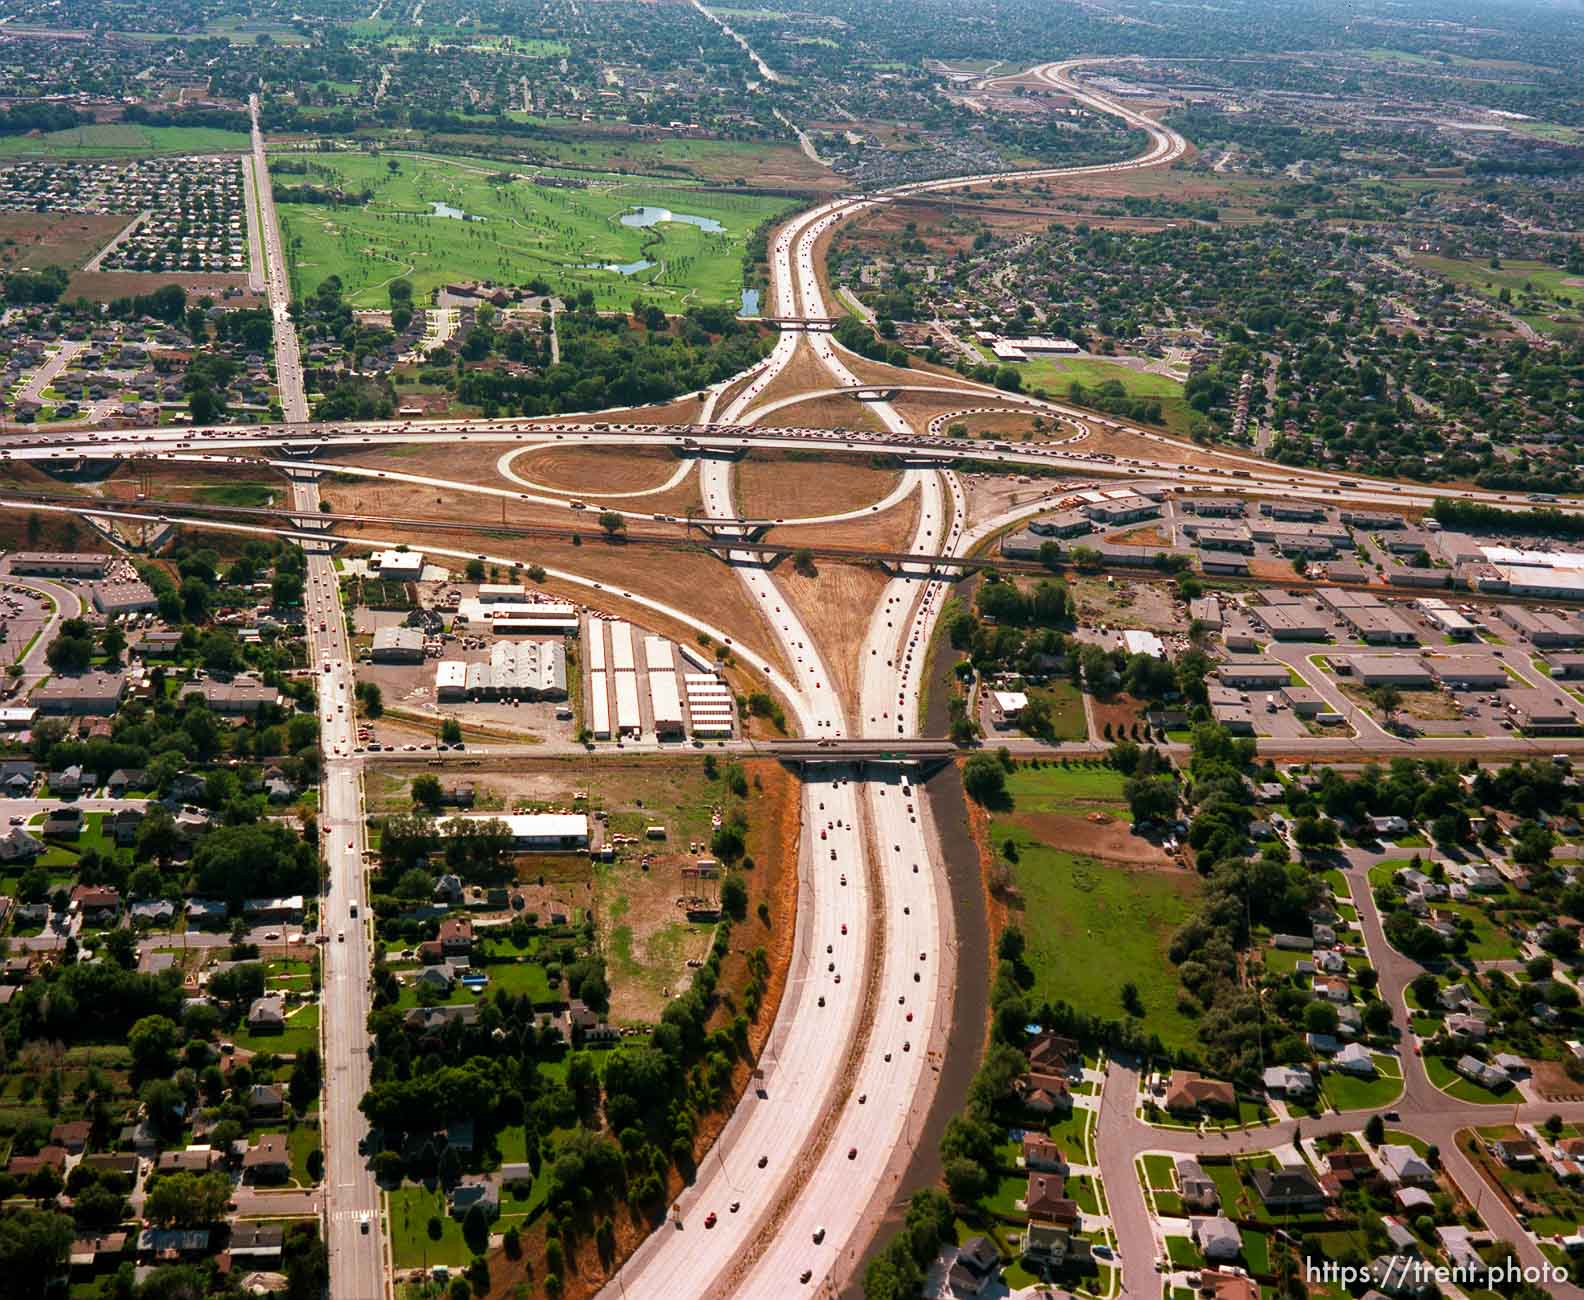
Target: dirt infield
<point>775,485</point>
<point>595,470</point>
<point>835,608</point>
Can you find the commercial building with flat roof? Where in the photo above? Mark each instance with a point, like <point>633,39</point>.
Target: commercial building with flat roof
<point>1390,670</point>
<point>450,679</point>
<point>400,566</point>
<point>1449,620</point>
<point>398,645</point>
<point>112,598</point>
<point>1299,622</point>
<point>59,564</point>
<point>1254,674</point>
<point>1476,672</point>
<point>1537,709</point>
<point>92,693</point>
<point>1540,627</point>
<point>537,832</point>
<point>1065,523</point>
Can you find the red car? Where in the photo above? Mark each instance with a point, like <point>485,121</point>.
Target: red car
<point>710,1221</point>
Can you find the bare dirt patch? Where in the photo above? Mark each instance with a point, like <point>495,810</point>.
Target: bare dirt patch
<point>40,239</point>
<point>890,530</point>
<point>990,495</point>
<point>1129,604</point>
<point>1149,535</point>
<point>787,485</point>
<point>106,286</point>
<point>595,470</point>
<point>1104,837</point>
<point>836,607</point>
<point>1121,711</point>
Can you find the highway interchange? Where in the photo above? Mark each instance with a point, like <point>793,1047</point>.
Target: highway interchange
<point>803,1167</point>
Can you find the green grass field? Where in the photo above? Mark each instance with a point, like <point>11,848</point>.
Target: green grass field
<point>1071,790</point>
<point>1093,926</point>
<point>1056,374</point>
<point>515,232</point>
<point>123,139</point>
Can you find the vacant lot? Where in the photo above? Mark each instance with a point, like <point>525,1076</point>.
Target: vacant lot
<point>40,239</point>
<point>594,471</point>
<point>435,219</point>
<point>1093,926</point>
<point>788,486</point>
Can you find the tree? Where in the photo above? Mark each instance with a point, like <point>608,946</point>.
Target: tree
<point>152,1042</point>
<point>372,698</point>
<point>984,778</point>
<point>1151,798</point>
<point>427,791</point>
<point>450,732</point>
<point>734,896</point>
<point>305,1079</point>
<point>1375,1130</point>
<point>1387,698</point>
<point>33,1247</point>
<point>612,522</point>
<point>475,1229</point>
<point>966,1180</point>
<point>1132,1003</point>
<point>187,1200</point>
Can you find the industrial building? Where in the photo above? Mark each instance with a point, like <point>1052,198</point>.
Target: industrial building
<point>507,617</point>
<point>1371,620</point>
<point>59,564</point>
<point>1254,674</point>
<point>1390,670</point>
<point>520,670</point>
<point>398,645</point>
<point>1477,672</point>
<point>537,832</point>
<point>399,566</point>
<point>1065,523</point>
<point>1540,628</point>
<point>1296,622</point>
<point>1443,616</point>
<point>112,598</point>
<point>1540,710</point>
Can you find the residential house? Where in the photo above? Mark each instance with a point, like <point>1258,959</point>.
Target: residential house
<point>1189,1091</point>
<point>267,1015</point>
<point>1491,1077</point>
<point>475,1189</point>
<point>1402,1165</point>
<point>1287,1191</point>
<point>974,1268</point>
<point>1039,1152</point>
<point>1354,1059</point>
<point>268,1160</point>
<point>1517,1153</point>
<point>1044,1093</point>
<point>456,936</point>
<point>258,1243</point>
<point>73,1136</point>
<point>16,845</point>
<point>1197,1188</point>
<point>266,1101</point>
<point>96,904</point>
<point>1217,1237</point>
<point>1288,1081</point>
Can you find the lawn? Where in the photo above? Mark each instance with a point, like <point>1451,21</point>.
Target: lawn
<point>518,978</point>
<point>301,1033</point>
<point>245,492</point>
<point>1092,927</point>
<point>411,1245</point>
<point>1066,709</point>
<point>1450,1081</point>
<point>1346,1092</point>
<point>513,231</point>
<point>124,139</point>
